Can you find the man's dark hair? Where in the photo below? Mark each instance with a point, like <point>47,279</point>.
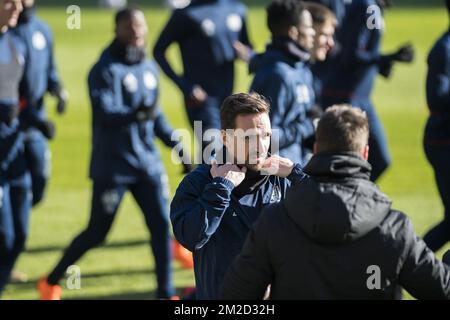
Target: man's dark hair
<point>447,3</point>
<point>241,104</point>
<point>283,14</point>
<point>342,128</point>
<point>126,13</point>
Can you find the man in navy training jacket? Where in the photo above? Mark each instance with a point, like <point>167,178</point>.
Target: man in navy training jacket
<point>215,205</point>
<point>123,87</point>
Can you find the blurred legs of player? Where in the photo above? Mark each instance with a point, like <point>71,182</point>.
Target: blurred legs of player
<point>14,221</point>
<point>106,200</point>
<point>439,156</point>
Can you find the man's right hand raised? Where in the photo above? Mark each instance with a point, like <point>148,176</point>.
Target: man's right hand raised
<point>228,171</point>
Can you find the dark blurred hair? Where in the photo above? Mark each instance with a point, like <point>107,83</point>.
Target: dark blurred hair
<point>342,128</point>
<point>126,13</point>
<point>447,2</point>
<point>282,14</point>
<point>241,104</point>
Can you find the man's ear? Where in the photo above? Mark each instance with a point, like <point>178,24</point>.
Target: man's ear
<point>366,152</point>
<point>293,33</point>
<point>223,136</point>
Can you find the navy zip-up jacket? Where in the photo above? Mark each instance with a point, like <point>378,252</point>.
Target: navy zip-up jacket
<point>287,84</point>
<point>205,32</point>
<point>353,71</point>
<point>438,92</point>
<point>12,62</point>
<point>212,222</point>
<point>40,75</point>
<point>123,148</point>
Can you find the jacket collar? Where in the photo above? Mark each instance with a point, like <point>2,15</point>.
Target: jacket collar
<point>290,48</point>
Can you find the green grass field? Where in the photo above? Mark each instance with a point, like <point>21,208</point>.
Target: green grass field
<point>123,268</point>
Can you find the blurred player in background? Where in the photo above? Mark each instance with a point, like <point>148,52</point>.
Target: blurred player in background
<point>283,77</point>
<point>336,6</point>
<point>211,34</point>
<point>352,72</point>
<point>40,77</point>
<point>324,23</point>
<point>14,208</point>
<point>123,87</point>
<point>437,132</point>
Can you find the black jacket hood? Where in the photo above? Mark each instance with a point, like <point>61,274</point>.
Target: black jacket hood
<point>338,203</point>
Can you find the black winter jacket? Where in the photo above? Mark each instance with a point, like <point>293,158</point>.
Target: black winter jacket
<point>335,236</point>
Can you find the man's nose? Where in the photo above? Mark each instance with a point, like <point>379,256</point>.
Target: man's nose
<point>18,6</point>
<point>261,148</point>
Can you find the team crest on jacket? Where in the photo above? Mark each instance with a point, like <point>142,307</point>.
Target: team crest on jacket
<point>234,22</point>
<point>130,82</point>
<point>276,195</point>
<point>303,94</point>
<point>150,80</point>
<point>208,27</point>
<point>110,200</point>
<point>38,40</point>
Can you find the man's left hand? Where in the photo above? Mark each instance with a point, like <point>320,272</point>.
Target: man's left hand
<point>243,51</point>
<point>62,96</point>
<point>277,166</point>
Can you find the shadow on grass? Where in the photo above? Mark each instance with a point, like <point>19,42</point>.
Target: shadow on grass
<point>31,283</point>
<point>150,295</point>
<point>93,275</point>
<point>112,245</point>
